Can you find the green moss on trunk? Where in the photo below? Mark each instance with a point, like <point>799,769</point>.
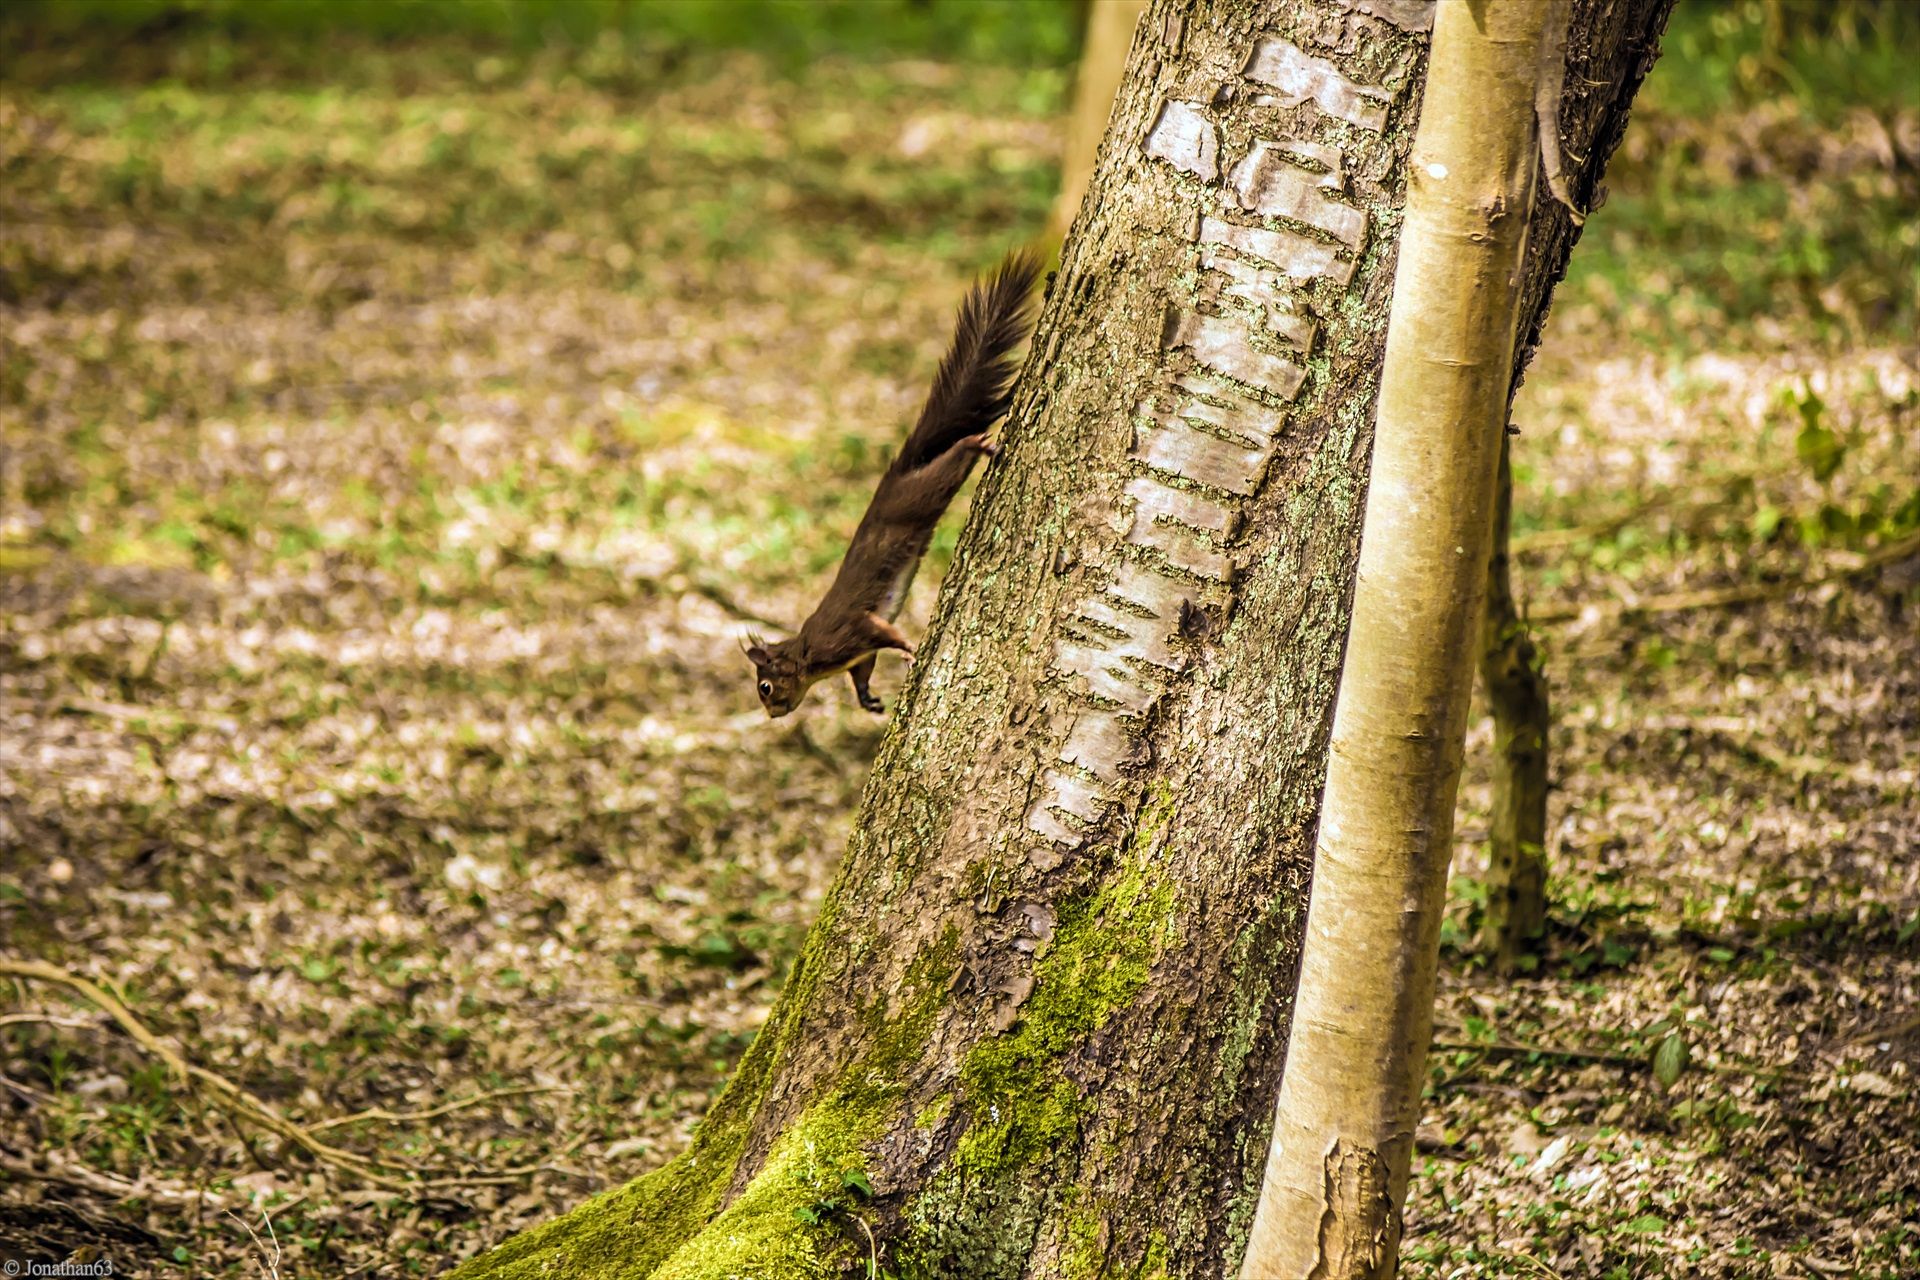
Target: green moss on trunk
<point>672,1225</point>
<point>978,1215</point>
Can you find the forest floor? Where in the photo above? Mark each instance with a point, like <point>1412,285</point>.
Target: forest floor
<point>395,450</point>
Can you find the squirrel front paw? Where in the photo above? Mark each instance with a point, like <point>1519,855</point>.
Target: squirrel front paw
<point>873,704</point>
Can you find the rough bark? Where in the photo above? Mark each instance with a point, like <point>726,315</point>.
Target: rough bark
<point>1516,882</point>
<point>1044,1007</point>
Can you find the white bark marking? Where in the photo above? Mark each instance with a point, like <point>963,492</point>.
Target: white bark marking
<point>1289,251</point>
<point>1239,421</point>
<point>1076,796</point>
<point>1220,345</point>
<point>1155,501</point>
<point>1041,820</point>
<point>1184,138</point>
<point>1301,77</point>
<point>1065,794</point>
<point>1267,183</point>
<point>1187,451</point>
<point>1266,291</point>
<point>1210,423</point>
<point>1182,548</point>
<point>1098,742</point>
<point>1143,638</point>
<point>1104,675</point>
<point>1328,160</point>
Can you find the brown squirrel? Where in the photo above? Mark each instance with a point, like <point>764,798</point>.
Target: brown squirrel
<point>855,619</point>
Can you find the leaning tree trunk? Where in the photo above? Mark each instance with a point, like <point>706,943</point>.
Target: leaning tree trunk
<point>1042,1013</point>
<point>1104,42</point>
<point>1350,1099</point>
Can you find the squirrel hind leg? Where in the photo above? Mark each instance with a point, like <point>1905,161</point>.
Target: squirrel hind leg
<point>887,636</point>
<point>919,497</point>
<point>861,672</point>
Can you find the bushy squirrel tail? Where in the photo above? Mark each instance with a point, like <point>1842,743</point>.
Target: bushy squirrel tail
<point>974,384</point>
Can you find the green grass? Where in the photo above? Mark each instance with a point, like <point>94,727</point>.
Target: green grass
<point>1694,262</point>
<point>1829,56</point>
<point>216,40</point>
<point>1755,194</point>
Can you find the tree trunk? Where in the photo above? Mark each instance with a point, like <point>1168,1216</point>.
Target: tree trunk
<point>1042,1012</point>
<point>1343,1138</point>
<point>1516,911</point>
<point>1103,60</point>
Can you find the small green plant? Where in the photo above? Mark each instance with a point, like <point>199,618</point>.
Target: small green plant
<point>1817,447</point>
<point>837,1196</point>
<point>58,1069</point>
<point>1848,520</point>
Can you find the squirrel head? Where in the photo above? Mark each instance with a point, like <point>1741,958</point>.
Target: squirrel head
<point>779,675</point>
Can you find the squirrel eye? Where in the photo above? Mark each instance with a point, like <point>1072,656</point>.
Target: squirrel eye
<point>766,689</point>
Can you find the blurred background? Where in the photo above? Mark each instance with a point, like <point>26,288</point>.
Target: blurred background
<point>405,406</point>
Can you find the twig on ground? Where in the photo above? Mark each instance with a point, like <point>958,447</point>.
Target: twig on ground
<point>1755,742</point>
<point>815,750</point>
<point>714,593</point>
<point>1684,504</point>
<point>47,1019</point>
<point>225,1095</point>
<point>104,710</point>
<point>28,1092</point>
<point>269,1265</point>
<point>1893,1032</point>
<point>1642,1062</point>
<point>237,1105</point>
<point>1515,1048</point>
<point>1531,1261</point>
<point>407,1117</point>
<point>873,1250</point>
<point>81,1177</point>
<point>1554,539</point>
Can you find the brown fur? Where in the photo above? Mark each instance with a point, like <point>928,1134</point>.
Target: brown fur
<point>855,619</point>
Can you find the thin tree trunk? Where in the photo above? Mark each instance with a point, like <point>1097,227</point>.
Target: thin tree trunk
<point>1516,884</point>
<point>1336,1177</point>
<point>1103,60</point>
<point>1042,1012</point>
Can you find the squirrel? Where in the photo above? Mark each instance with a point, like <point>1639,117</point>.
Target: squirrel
<point>972,389</point>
